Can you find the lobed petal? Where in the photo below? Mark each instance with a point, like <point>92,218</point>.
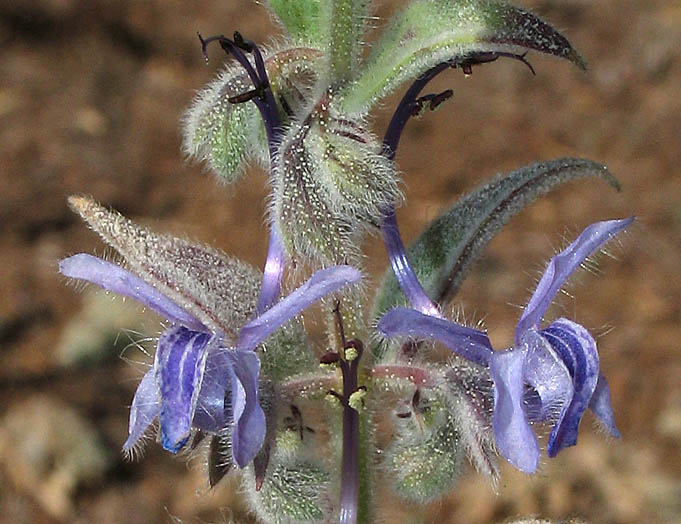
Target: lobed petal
<point>249,429</point>
<point>322,283</point>
<point>599,404</point>
<point>145,408</point>
<point>467,342</point>
<point>114,278</point>
<point>575,346</point>
<point>562,266</point>
<point>439,259</point>
<point>179,368</point>
<point>213,408</point>
<point>512,432</point>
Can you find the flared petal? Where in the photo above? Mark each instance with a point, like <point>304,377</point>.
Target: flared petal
<point>562,266</point>
<point>114,278</point>
<point>576,347</point>
<point>549,377</point>
<point>248,433</point>
<point>322,283</point>
<point>600,405</point>
<point>467,342</point>
<point>179,366</point>
<point>512,432</point>
<point>218,290</point>
<point>145,408</point>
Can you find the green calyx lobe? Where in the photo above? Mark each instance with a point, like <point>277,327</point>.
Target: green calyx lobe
<point>332,183</point>
<point>344,23</point>
<point>426,457</point>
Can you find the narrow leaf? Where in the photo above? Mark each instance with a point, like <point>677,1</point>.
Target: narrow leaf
<point>442,255</point>
<point>429,32</point>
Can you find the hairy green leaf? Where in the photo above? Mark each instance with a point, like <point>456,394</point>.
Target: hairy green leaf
<point>430,32</point>
<point>293,491</point>
<point>443,253</point>
<point>300,18</point>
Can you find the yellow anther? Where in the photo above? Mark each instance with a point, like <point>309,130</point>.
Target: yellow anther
<point>351,354</point>
<point>356,400</point>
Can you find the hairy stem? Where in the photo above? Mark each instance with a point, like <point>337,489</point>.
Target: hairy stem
<point>349,491</point>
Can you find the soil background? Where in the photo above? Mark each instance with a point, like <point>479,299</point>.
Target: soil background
<point>91,94</point>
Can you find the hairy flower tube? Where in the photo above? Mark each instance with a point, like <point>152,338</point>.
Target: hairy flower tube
<point>199,363</point>
<point>550,374</point>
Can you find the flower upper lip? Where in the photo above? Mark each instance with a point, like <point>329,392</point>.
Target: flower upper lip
<point>560,363</point>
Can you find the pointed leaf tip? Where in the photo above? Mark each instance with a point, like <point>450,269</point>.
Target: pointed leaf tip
<point>431,32</point>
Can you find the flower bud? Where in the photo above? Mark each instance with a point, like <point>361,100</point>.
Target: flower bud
<point>426,457</point>
<point>332,183</point>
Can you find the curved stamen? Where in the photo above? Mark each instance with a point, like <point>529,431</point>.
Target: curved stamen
<point>263,98</point>
<point>408,107</point>
<point>230,47</point>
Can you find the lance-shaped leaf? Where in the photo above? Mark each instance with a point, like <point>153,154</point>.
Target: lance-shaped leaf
<point>343,26</point>
<point>442,255</point>
<point>300,18</point>
<point>429,32</point>
<point>224,134</point>
<point>218,290</point>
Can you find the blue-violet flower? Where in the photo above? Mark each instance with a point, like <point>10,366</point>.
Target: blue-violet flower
<point>199,363</point>
<point>547,371</point>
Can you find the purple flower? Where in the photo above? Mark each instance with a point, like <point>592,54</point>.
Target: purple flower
<point>550,374</point>
<point>205,371</point>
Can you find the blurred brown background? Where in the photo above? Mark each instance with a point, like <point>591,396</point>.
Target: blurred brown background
<point>90,97</point>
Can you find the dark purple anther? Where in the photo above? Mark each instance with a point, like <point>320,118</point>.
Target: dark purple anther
<point>263,98</point>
